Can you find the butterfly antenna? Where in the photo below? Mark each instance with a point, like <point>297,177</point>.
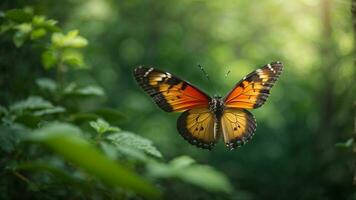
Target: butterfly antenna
<point>207,77</point>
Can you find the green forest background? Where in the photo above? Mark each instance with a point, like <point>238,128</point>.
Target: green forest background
<point>75,125</point>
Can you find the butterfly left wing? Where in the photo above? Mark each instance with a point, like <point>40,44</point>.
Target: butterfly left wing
<point>238,126</point>
<point>169,92</point>
<point>198,127</point>
<point>253,90</point>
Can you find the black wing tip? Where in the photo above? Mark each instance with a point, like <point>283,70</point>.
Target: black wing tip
<point>140,69</point>
<point>277,64</point>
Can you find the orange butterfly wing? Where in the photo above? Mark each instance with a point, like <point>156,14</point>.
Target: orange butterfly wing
<point>253,90</point>
<point>169,92</point>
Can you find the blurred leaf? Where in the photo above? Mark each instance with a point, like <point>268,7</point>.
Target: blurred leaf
<point>184,168</point>
<point>101,126</point>
<point>31,103</point>
<point>182,161</point>
<point>42,23</point>
<point>38,33</point>
<point>18,15</point>
<point>347,144</point>
<point>71,40</point>
<point>28,111</point>
<point>19,38</point>
<point>131,153</point>
<point>86,156</point>
<point>6,27</point>
<point>23,30</point>
<point>73,58</point>
<point>49,59</point>
<point>11,136</point>
<point>134,141</point>
<point>47,84</point>
<point>109,150</point>
<point>91,90</point>
<point>48,111</point>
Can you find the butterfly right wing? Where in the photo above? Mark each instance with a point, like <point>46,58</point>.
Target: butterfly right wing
<point>253,90</point>
<point>198,127</point>
<point>169,92</point>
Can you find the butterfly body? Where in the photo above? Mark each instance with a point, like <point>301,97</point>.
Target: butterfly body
<point>204,118</point>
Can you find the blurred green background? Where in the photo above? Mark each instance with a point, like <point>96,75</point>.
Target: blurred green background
<point>293,153</point>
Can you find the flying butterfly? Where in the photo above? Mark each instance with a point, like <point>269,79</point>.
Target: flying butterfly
<point>204,118</point>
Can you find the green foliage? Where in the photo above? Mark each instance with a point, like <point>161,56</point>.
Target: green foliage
<point>27,26</point>
<point>46,144</point>
<point>90,90</point>
<point>126,141</point>
<point>347,144</point>
<point>186,169</point>
<point>19,15</point>
<point>73,72</point>
<point>63,50</point>
<point>47,84</point>
<point>80,152</point>
<point>101,126</point>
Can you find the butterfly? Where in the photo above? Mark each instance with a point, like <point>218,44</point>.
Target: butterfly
<point>204,118</point>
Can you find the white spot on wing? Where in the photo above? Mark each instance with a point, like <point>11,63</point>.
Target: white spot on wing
<point>271,68</point>
<point>148,72</point>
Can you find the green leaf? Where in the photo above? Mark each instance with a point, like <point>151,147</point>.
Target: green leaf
<point>49,59</point>
<point>73,58</point>
<point>49,111</point>
<point>131,153</point>
<point>101,126</point>
<point>109,150</point>
<point>91,90</point>
<point>185,169</point>
<point>347,144</point>
<point>83,154</point>
<point>18,15</point>
<point>46,24</point>
<point>22,33</point>
<point>38,33</point>
<point>31,103</point>
<point>47,84</point>
<point>35,106</point>
<point>11,136</point>
<point>70,40</point>
<point>134,141</point>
